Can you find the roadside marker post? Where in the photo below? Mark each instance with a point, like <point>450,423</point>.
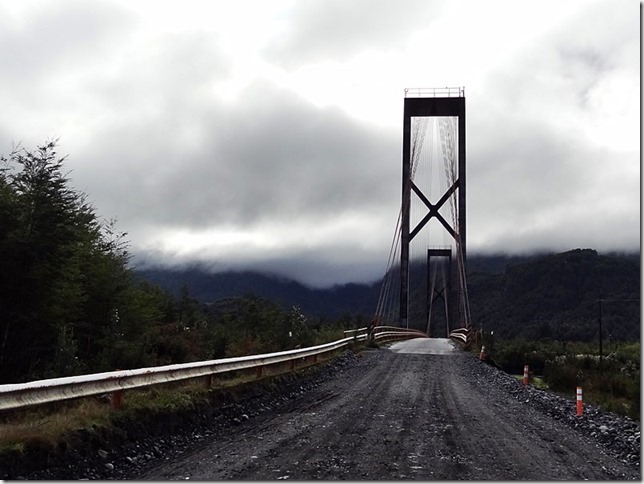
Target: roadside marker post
<point>482,355</point>
<point>526,374</point>
<point>580,402</point>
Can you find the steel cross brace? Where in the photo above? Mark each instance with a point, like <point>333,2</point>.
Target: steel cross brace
<point>433,209</point>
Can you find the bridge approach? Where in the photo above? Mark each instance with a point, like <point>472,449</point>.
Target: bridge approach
<point>421,410</point>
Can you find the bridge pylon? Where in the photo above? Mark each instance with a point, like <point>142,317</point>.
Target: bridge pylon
<point>435,103</point>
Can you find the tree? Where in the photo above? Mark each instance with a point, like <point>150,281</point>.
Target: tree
<point>63,273</point>
<point>50,224</point>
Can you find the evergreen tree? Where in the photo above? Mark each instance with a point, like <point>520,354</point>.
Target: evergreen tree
<point>63,273</point>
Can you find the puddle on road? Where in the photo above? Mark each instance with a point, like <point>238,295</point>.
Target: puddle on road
<point>425,346</point>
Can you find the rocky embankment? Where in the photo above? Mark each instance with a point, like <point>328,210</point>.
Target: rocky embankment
<point>618,436</point>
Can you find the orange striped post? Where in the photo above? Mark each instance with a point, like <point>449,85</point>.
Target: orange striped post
<point>526,374</point>
<point>580,403</point>
<point>482,355</point>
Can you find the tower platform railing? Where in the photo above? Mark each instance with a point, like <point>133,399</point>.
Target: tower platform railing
<point>435,92</point>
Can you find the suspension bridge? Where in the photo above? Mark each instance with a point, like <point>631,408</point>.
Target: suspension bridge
<point>424,291</point>
<point>425,285</point>
<point>420,410</point>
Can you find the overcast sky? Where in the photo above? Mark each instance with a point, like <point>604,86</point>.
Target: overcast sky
<point>267,134</point>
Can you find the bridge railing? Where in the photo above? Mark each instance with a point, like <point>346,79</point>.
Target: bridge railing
<point>39,392</point>
<point>381,329</point>
<point>435,92</point>
<point>460,335</point>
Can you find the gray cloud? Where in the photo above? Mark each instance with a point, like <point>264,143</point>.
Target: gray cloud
<point>338,29</point>
<point>537,178</point>
<point>59,36</point>
<point>274,156</point>
<point>155,144</point>
<point>317,266</point>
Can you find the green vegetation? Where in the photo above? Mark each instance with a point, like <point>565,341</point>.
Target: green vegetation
<point>46,426</point>
<point>556,297</point>
<point>545,312</point>
<point>70,304</point>
<point>612,381</point>
<point>535,381</point>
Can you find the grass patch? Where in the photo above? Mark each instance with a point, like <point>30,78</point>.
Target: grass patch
<point>540,383</point>
<point>537,382</point>
<point>45,426</point>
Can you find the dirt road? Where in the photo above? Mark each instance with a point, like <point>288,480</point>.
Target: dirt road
<point>413,411</point>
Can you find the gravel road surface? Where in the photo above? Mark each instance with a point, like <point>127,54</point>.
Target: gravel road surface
<point>418,410</point>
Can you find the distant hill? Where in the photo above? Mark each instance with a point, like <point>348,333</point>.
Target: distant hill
<point>536,296</point>
<point>207,287</point>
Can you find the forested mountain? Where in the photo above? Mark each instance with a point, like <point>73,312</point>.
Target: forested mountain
<point>556,296</point>
<point>207,287</point>
<point>532,296</point>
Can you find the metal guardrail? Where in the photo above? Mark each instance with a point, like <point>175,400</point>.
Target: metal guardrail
<point>19,395</point>
<point>387,336</point>
<point>379,329</point>
<point>460,335</point>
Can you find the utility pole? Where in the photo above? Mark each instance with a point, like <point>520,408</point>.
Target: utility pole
<point>600,331</point>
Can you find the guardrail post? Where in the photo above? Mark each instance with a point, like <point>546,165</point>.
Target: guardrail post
<point>259,371</point>
<point>117,399</point>
<point>207,381</point>
<point>291,365</point>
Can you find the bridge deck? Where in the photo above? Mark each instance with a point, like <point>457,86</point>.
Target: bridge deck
<point>425,346</point>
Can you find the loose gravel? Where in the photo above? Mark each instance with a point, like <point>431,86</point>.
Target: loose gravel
<point>135,451</point>
<point>617,435</point>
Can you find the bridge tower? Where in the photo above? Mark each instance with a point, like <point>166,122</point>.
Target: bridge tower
<point>435,103</point>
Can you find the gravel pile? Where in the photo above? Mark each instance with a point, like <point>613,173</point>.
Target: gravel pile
<point>618,436</point>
